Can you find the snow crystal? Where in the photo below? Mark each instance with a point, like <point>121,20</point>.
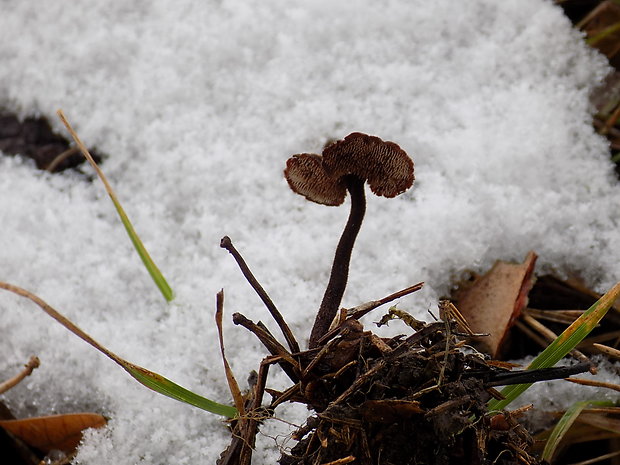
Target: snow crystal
<point>198,105</point>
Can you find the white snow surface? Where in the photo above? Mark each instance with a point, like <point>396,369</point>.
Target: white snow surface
<point>198,104</point>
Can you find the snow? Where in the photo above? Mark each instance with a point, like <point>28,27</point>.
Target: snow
<point>198,105</point>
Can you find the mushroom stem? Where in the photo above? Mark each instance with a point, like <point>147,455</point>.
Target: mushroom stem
<point>342,258</point>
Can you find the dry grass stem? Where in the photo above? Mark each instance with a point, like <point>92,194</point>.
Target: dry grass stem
<point>27,371</point>
<point>590,382</point>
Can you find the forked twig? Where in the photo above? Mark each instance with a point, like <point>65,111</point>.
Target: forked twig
<point>15,380</point>
<point>227,244</point>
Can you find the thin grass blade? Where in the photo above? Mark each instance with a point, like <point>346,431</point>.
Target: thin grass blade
<point>168,388</point>
<point>564,424</point>
<point>156,275</point>
<point>146,377</point>
<point>564,343</point>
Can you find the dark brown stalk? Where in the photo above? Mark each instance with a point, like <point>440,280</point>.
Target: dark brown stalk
<point>227,244</point>
<point>535,376</point>
<point>289,364</point>
<point>340,267</point>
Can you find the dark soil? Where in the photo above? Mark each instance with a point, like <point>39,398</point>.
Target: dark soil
<point>33,138</point>
<point>405,400</point>
<point>416,400</point>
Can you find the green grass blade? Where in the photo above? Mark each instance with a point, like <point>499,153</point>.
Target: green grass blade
<point>156,275</point>
<point>564,343</point>
<point>564,424</point>
<point>168,388</point>
<point>148,378</point>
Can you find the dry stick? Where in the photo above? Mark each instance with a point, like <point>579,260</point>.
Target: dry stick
<point>534,376</point>
<point>227,244</point>
<point>608,350</point>
<point>608,336</point>
<point>558,316</point>
<point>342,461</point>
<point>288,364</point>
<point>361,310</point>
<point>239,452</point>
<point>591,382</point>
<point>15,380</point>
<point>317,358</point>
<point>230,377</point>
<point>342,258</point>
<point>525,329</point>
<point>358,383</point>
<point>285,396</point>
<point>356,313</point>
<point>252,422</point>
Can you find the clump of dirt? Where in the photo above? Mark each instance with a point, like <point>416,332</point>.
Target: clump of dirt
<point>34,138</point>
<point>404,400</point>
<point>417,399</point>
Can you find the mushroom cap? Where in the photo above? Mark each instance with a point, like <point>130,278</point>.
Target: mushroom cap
<point>306,176</point>
<point>387,168</point>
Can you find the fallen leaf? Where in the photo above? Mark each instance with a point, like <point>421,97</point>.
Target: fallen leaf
<point>62,432</point>
<point>493,302</point>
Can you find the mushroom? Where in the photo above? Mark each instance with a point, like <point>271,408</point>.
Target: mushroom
<point>325,179</point>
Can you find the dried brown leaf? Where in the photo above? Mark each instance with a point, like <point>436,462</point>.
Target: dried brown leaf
<point>62,432</point>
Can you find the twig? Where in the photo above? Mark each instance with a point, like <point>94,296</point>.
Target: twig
<point>558,316</point>
<point>342,461</point>
<point>230,377</point>
<point>251,423</point>
<point>227,244</point>
<point>608,350</point>
<point>356,313</point>
<point>591,382</point>
<point>239,452</point>
<point>289,364</point>
<point>317,358</point>
<point>15,380</point>
<point>286,395</point>
<point>533,376</point>
<point>525,329</point>
<point>357,383</point>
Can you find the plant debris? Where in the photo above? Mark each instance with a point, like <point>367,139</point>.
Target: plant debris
<point>404,400</point>
<point>411,399</point>
<point>491,303</point>
<point>420,398</point>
